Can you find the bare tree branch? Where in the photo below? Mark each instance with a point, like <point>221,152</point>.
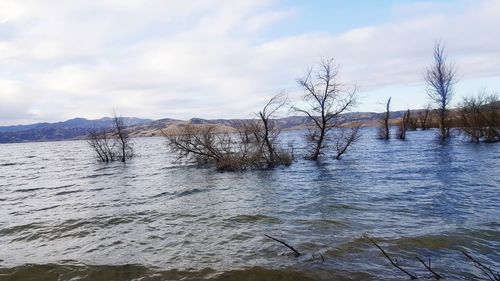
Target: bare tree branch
<point>437,276</point>
<point>285,244</point>
<point>492,275</point>
<point>269,132</point>
<point>102,144</point>
<point>345,138</point>
<point>113,143</point>
<point>393,262</point>
<point>122,138</point>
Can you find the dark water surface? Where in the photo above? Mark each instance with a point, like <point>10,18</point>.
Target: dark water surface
<point>64,216</point>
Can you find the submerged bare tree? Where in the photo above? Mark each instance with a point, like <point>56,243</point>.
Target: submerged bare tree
<point>102,144</point>
<point>491,115</point>
<point>440,79</point>
<point>423,117</point>
<point>384,130</point>
<point>268,132</point>
<point>256,145</point>
<point>111,144</point>
<point>479,118</point>
<point>325,100</point>
<point>412,121</point>
<point>122,138</point>
<point>404,125</point>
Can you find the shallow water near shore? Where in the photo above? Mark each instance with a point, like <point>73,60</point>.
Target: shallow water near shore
<point>64,216</point>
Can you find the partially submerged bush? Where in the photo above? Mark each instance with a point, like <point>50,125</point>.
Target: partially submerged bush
<point>102,143</point>
<point>254,146</point>
<point>479,118</point>
<point>111,144</point>
<point>203,144</point>
<point>404,125</point>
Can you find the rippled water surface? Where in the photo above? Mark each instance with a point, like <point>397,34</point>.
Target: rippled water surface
<point>64,216</point>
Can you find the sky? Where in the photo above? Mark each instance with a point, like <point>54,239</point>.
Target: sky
<point>225,58</point>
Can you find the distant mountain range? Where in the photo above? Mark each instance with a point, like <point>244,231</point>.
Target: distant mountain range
<point>78,128</point>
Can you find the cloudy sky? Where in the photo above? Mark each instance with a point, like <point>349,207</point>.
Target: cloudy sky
<point>224,58</point>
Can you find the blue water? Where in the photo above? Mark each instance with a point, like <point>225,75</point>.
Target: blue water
<point>64,215</point>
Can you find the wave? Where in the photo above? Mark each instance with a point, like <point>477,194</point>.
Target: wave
<point>28,189</point>
<point>190,192</point>
<point>165,193</point>
<point>254,218</point>
<point>97,175</point>
<point>68,192</point>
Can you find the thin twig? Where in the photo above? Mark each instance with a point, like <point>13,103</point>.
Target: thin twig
<point>492,275</point>
<point>284,243</point>
<point>437,276</point>
<point>391,260</point>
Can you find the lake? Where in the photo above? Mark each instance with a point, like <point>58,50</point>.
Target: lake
<point>65,216</point>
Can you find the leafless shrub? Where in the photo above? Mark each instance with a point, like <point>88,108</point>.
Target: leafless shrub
<point>200,143</point>
<point>112,144</point>
<point>122,138</point>
<point>102,144</point>
<point>423,117</point>
<point>404,125</point>
<point>440,79</point>
<point>326,99</point>
<point>479,117</point>
<point>256,145</point>
<point>384,130</point>
<point>412,121</point>
<point>268,132</point>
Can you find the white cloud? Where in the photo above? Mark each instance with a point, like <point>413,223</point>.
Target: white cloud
<point>210,58</point>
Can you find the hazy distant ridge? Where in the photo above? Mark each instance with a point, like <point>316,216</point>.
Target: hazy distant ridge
<point>70,129</point>
<point>78,128</point>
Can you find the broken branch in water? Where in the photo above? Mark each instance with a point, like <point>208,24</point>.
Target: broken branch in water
<point>284,243</point>
<point>492,275</point>
<point>393,262</point>
<point>437,276</point>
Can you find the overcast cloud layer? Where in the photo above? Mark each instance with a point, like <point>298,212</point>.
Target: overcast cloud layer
<point>216,58</point>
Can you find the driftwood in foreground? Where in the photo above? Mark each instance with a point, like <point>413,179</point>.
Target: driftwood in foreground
<point>394,262</point>
<point>492,275</point>
<point>428,266</point>
<point>297,253</point>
